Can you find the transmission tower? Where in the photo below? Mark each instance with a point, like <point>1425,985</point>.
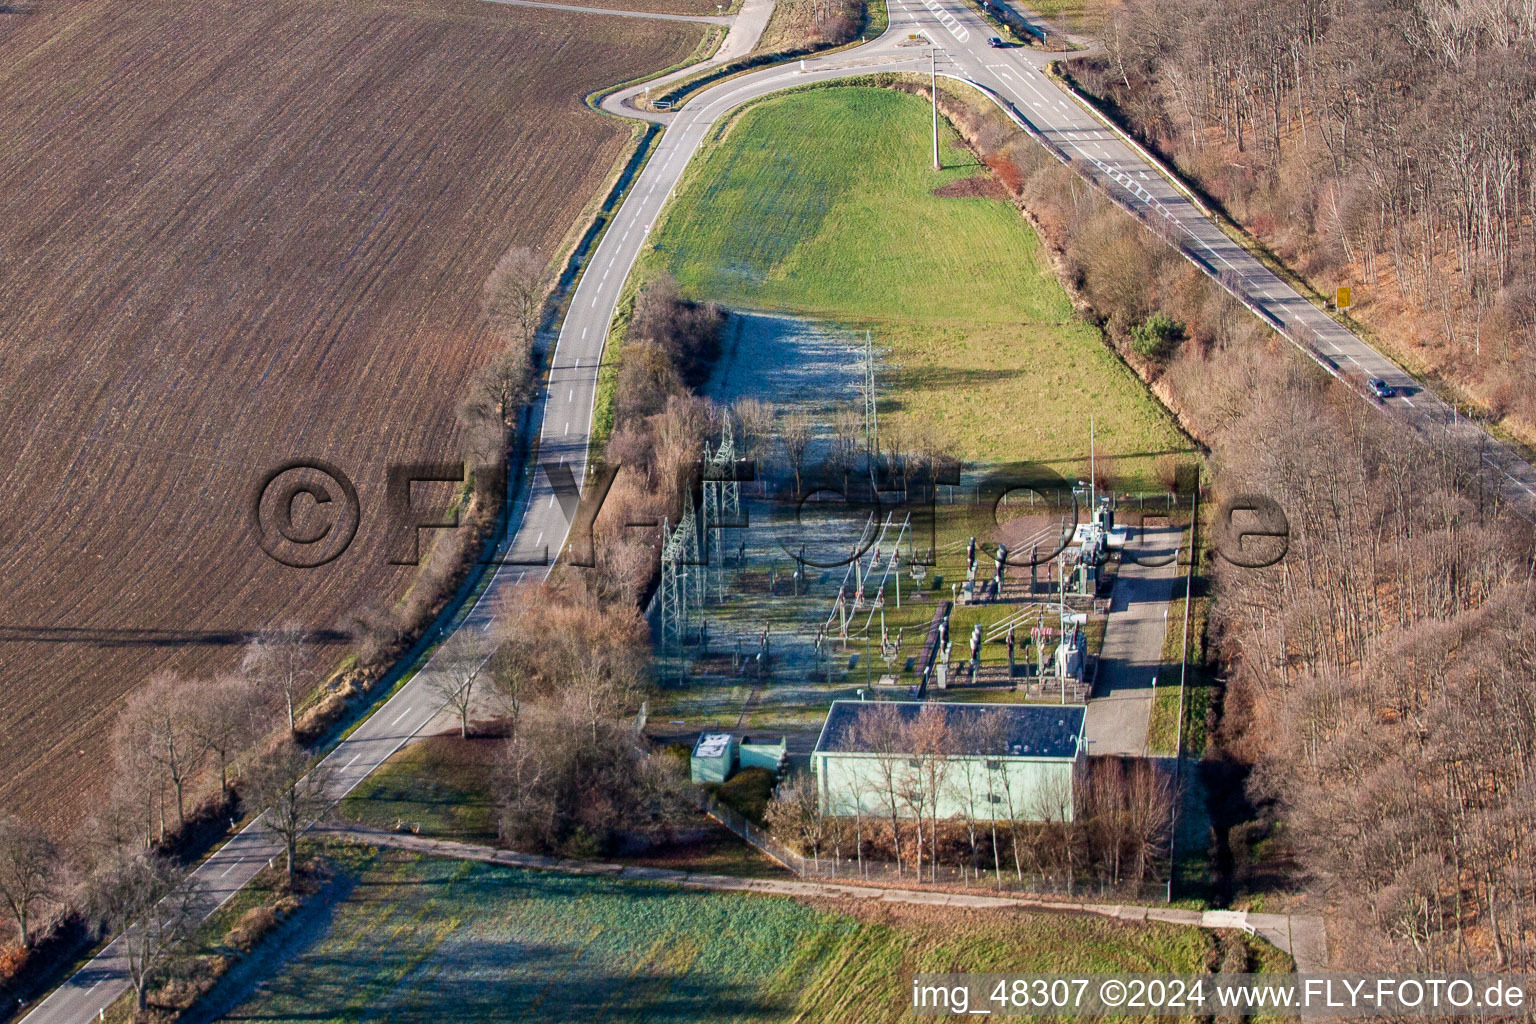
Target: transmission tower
<point>682,582</point>
<point>692,557</point>
<point>713,569</point>
<point>722,506</point>
<point>674,595</point>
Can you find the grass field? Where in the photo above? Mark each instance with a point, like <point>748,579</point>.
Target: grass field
<point>1086,17</point>
<point>821,203</point>
<point>233,234</point>
<point>413,936</point>
<point>440,785</point>
<point>1163,726</point>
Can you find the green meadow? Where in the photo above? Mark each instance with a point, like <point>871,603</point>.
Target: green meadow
<point>821,203</point>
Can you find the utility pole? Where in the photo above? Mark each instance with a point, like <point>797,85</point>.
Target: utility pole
<point>934,90</point>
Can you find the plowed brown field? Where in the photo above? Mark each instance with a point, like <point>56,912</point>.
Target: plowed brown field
<point>234,233</point>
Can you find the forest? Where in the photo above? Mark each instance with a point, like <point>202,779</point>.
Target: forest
<point>1386,144</point>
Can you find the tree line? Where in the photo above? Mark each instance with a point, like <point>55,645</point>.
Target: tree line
<point>188,757</point>
<point>1381,680</point>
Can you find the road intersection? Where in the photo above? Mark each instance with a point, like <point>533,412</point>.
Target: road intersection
<point>540,520</point>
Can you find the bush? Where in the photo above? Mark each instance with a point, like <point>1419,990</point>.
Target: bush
<point>253,925</point>
<point>748,792</point>
<point>13,959</point>
<point>1157,336</point>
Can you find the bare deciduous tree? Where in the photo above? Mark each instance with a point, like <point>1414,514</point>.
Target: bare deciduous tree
<point>490,410</point>
<point>513,298</point>
<point>280,661</point>
<point>154,911</point>
<point>294,794</point>
<point>755,418</point>
<point>226,719</point>
<point>795,434</point>
<point>29,873</point>
<point>158,724</point>
<point>795,815</point>
<point>560,792</point>
<point>461,662</point>
<point>881,734</point>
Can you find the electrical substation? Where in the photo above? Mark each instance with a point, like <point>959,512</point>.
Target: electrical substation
<point>799,586</point>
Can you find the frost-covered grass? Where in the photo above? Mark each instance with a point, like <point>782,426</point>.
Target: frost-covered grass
<point>420,939</point>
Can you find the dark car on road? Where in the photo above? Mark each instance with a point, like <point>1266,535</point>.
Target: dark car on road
<point>994,42</point>
<point>1380,388</point>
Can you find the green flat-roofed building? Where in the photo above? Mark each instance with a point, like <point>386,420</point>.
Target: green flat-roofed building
<point>1018,762</point>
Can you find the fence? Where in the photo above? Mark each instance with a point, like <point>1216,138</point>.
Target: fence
<point>1009,879</point>
<point>755,834</point>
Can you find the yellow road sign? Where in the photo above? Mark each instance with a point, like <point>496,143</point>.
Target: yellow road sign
<point>1342,300</point>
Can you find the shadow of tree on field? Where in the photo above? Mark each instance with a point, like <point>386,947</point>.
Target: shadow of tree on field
<point>427,952</point>
<point>105,636</point>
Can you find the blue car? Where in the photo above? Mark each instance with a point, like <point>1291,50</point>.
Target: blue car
<point>1380,388</point>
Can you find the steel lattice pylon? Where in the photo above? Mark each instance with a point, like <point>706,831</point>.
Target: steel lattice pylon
<point>681,580</point>
<point>692,558</point>
<point>722,507</point>
<point>674,599</point>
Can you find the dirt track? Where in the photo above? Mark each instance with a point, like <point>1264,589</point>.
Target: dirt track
<point>233,234</point>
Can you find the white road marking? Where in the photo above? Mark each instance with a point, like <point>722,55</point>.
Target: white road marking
<point>400,716</point>
<point>350,763</point>
<point>959,31</point>
<point>567,426</point>
<point>571,396</point>
<point>232,866</point>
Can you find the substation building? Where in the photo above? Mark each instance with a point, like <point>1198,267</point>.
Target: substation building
<point>1020,762</point>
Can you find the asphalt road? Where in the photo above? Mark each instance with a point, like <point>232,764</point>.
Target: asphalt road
<point>563,415</point>
<point>1120,707</point>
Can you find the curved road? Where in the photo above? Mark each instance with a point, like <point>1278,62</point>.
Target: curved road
<point>1016,81</point>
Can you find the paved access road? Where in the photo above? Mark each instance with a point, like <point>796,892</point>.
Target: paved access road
<point>1120,708</point>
